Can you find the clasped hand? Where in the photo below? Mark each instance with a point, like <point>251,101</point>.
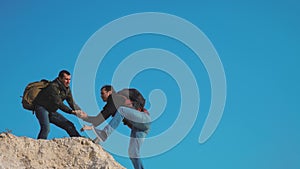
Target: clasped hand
<point>81,114</point>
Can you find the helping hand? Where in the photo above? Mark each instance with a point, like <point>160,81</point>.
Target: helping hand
<point>81,114</point>
<point>85,127</point>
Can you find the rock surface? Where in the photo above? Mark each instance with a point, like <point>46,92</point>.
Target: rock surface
<point>65,153</point>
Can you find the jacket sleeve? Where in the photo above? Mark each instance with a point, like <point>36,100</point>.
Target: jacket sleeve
<point>113,102</point>
<point>71,102</point>
<point>64,108</point>
<point>55,94</point>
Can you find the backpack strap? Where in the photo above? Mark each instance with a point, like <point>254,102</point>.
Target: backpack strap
<point>127,102</point>
<point>146,111</point>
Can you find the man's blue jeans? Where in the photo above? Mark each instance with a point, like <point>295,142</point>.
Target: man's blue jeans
<point>140,127</point>
<point>45,118</point>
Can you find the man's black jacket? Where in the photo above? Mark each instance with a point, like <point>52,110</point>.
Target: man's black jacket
<point>53,96</point>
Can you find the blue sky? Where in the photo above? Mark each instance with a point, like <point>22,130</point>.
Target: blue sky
<point>257,43</point>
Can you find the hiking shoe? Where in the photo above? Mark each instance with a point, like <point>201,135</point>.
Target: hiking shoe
<point>96,140</point>
<point>101,135</point>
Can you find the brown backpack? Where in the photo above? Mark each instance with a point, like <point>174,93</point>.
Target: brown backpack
<point>31,91</point>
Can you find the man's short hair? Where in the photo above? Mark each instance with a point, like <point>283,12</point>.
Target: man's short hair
<point>108,88</point>
<point>61,73</point>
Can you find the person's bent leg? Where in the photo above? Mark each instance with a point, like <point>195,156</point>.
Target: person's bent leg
<point>136,140</point>
<point>137,119</point>
<point>112,125</point>
<point>43,117</point>
<point>123,112</point>
<point>60,121</point>
<point>134,115</point>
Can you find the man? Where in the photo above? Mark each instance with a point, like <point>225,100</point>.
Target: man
<point>134,115</point>
<point>113,101</point>
<point>49,100</point>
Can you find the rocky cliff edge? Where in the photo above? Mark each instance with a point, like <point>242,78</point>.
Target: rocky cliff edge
<point>64,153</point>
